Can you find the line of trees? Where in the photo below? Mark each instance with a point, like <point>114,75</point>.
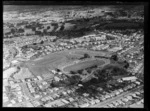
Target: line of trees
<point>109,71</point>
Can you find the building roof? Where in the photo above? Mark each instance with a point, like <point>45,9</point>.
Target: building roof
<point>129,78</point>
<point>9,71</point>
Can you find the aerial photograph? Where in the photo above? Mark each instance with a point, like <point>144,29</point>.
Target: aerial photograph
<point>73,56</point>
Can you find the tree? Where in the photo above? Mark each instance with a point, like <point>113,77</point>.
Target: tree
<point>33,28</point>
<point>86,55</point>
<point>45,32</point>
<point>80,71</point>
<point>126,64</point>
<point>42,42</point>
<point>55,83</point>
<point>58,70</point>
<point>94,80</point>
<point>62,28</point>
<point>48,27</point>
<point>21,30</point>
<point>114,57</point>
<point>72,72</point>
<point>74,79</point>
<point>34,43</point>
<point>12,30</point>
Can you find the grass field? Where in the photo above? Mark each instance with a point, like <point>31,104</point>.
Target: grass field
<point>23,73</point>
<point>83,65</point>
<point>59,60</point>
<point>41,71</point>
<point>91,53</point>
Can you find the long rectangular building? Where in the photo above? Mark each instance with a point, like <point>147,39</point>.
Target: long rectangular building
<point>129,78</point>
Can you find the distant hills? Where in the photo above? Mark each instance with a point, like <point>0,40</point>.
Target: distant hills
<point>120,17</point>
<point>22,7</point>
<point>7,8</point>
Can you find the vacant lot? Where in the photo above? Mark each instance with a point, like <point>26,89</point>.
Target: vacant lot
<point>83,65</point>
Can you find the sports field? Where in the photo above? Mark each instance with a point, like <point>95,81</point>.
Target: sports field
<point>92,53</point>
<point>44,65</point>
<point>83,65</point>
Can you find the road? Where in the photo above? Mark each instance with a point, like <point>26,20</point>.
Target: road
<point>101,104</point>
<point>109,34</point>
<point>137,106</point>
<point>26,90</point>
<point>88,76</point>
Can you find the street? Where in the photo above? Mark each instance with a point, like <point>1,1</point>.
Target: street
<point>101,104</point>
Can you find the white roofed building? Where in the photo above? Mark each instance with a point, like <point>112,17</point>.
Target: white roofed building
<point>8,72</point>
<point>129,78</point>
